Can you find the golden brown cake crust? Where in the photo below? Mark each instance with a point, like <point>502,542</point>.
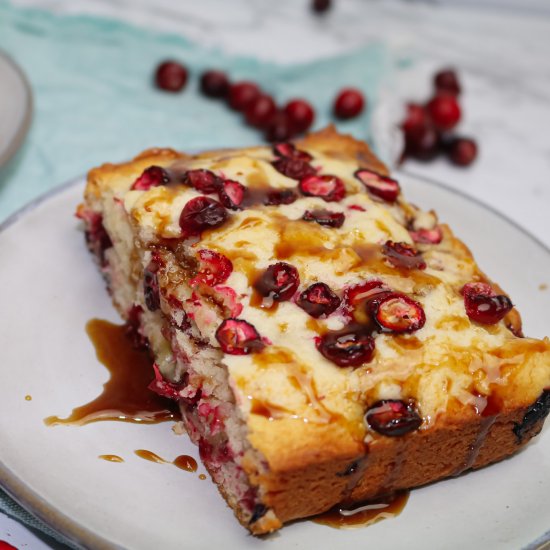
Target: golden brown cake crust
<point>310,467</point>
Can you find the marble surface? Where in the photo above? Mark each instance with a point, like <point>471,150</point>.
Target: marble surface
<point>500,48</point>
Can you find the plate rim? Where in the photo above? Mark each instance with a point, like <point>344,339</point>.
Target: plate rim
<point>22,131</point>
<point>77,534</point>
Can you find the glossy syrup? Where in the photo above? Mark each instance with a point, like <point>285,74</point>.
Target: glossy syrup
<point>125,395</point>
<point>361,515</point>
<point>111,458</point>
<point>183,462</point>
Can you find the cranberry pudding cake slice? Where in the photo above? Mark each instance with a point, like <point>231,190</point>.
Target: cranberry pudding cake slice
<point>326,340</point>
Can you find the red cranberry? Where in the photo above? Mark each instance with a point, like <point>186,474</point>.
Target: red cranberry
<point>462,151</point>
<point>427,236</point>
<point>378,185</point>
<point>238,337</point>
<point>164,387</point>
<point>422,143</point>
<point>483,305</point>
<point>276,197</point>
<point>329,188</point>
<point>278,282</point>
<point>214,268</point>
<point>416,117</point>
<point>393,418</point>
<point>289,150</point>
<point>349,103</point>
<point>318,299</point>
<point>201,213</point>
<point>444,111</point>
<point>446,81</point>
<point>300,114</point>
<point>96,235</point>
<point>214,84</point>
<point>398,313</point>
<point>320,6</point>
<point>350,347</point>
<point>260,112</point>
<point>151,177</point>
<point>324,217</point>
<point>242,94</point>
<point>232,194</point>
<point>171,76</point>
<point>151,286</point>
<point>203,181</point>
<point>403,255</point>
<point>293,167</point>
<point>279,129</point>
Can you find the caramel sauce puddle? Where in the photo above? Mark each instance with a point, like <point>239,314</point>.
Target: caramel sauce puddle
<point>125,395</point>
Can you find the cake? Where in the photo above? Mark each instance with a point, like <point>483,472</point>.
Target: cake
<point>327,341</point>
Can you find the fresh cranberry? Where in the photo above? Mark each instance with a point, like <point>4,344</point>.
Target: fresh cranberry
<point>279,128</point>
<point>329,188</point>
<point>393,418</point>
<point>214,268</point>
<point>203,181</point>
<point>300,113</point>
<point>293,167</point>
<point>278,282</point>
<point>324,217</point>
<point>214,84</point>
<point>232,194</point>
<point>416,117</point>
<point>462,151</point>
<point>276,197</point>
<point>350,347</point>
<point>349,103</point>
<point>398,313</point>
<point>289,150</point>
<point>320,6</point>
<point>403,255</point>
<point>483,305</point>
<point>151,286</point>
<point>446,81</point>
<point>260,111</point>
<point>422,143</point>
<point>171,76</point>
<point>427,236</point>
<point>238,337</point>
<point>381,186</point>
<point>318,299</point>
<point>151,177</point>
<point>96,235</point>
<point>444,111</point>
<point>201,213</point>
<point>242,94</point>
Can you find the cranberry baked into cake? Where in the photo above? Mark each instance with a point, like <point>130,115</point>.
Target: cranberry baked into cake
<point>326,341</point>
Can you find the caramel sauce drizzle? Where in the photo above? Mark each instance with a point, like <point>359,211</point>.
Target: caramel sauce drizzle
<point>111,458</point>
<point>125,395</point>
<point>362,515</point>
<point>183,462</point>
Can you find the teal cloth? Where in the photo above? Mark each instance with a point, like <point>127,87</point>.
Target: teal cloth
<point>94,102</point>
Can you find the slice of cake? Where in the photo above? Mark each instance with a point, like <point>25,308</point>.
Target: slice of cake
<point>326,341</point>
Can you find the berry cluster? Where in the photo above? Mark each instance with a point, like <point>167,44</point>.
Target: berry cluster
<point>278,123</point>
<point>427,128</point>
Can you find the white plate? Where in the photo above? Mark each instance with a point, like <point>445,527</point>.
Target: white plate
<point>50,289</point>
<point>15,107</point>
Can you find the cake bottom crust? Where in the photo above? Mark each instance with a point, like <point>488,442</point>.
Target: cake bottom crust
<point>394,464</point>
